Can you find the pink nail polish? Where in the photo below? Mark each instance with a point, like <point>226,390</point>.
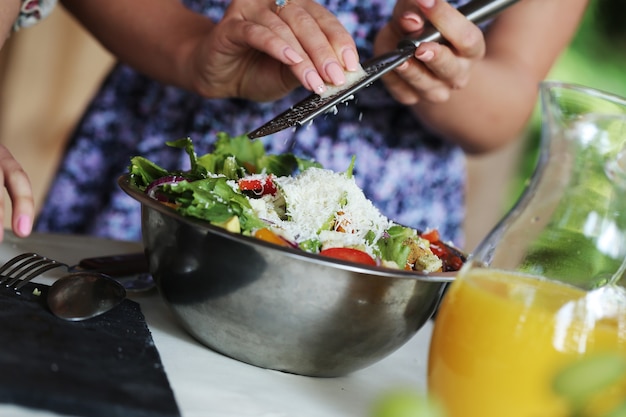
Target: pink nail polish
<point>414,18</point>
<point>336,74</point>
<point>292,55</point>
<point>427,4</point>
<point>350,60</point>
<point>315,82</point>
<point>403,66</point>
<point>24,225</point>
<point>425,56</point>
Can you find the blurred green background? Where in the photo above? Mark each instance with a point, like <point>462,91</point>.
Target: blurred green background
<point>596,58</point>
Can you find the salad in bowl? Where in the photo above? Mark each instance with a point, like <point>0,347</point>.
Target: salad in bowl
<point>292,202</point>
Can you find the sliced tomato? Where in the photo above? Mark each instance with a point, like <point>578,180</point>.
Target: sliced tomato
<point>259,186</point>
<point>431,235</point>
<point>451,261</point>
<point>349,254</point>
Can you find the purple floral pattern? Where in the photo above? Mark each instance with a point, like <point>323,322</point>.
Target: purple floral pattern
<point>413,176</point>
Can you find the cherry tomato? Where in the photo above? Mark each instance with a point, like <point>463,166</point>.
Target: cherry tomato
<point>349,254</point>
<point>451,261</point>
<point>257,186</point>
<point>438,249</point>
<point>432,235</point>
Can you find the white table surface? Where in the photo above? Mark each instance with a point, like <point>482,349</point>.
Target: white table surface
<point>206,383</point>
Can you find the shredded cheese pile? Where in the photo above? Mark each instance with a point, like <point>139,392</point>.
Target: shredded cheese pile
<point>318,197</point>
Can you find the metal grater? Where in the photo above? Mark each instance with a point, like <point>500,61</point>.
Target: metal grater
<point>478,11</point>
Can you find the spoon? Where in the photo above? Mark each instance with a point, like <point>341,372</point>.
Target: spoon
<point>83,295</point>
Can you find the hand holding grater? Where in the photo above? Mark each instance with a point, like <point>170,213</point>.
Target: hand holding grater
<point>478,11</point>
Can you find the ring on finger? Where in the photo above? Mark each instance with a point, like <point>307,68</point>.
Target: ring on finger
<point>280,4</point>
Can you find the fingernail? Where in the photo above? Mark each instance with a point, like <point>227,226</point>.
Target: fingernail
<point>315,82</point>
<point>292,55</point>
<point>413,17</point>
<point>350,60</point>
<point>336,74</point>
<point>24,225</point>
<point>426,3</point>
<point>425,56</point>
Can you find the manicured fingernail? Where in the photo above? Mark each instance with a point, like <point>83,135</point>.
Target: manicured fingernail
<point>350,60</point>
<point>414,18</point>
<point>292,55</point>
<point>315,82</point>
<point>24,225</point>
<point>426,3</point>
<point>336,74</point>
<point>425,56</point>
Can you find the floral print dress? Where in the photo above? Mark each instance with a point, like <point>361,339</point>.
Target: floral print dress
<point>412,176</point>
<point>32,11</point>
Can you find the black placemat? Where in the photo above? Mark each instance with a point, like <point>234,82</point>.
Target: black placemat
<point>107,366</point>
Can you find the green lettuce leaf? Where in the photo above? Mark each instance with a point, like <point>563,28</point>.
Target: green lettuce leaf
<point>213,199</point>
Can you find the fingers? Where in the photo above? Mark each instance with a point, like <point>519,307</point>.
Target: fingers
<point>20,193</point>
<point>438,68</point>
<point>433,76</point>
<point>309,39</point>
<point>325,41</point>
<point>463,36</point>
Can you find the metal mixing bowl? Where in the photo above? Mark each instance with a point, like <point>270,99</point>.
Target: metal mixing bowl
<point>276,307</point>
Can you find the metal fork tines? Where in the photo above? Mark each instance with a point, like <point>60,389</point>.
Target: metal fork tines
<point>24,268</point>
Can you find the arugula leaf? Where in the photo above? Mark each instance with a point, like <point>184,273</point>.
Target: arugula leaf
<point>350,170</point>
<point>213,199</point>
<point>237,156</point>
<point>196,171</point>
<point>143,171</point>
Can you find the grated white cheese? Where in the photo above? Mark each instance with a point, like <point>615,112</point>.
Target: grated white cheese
<point>318,197</point>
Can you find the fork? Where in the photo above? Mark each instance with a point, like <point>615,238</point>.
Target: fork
<point>24,268</point>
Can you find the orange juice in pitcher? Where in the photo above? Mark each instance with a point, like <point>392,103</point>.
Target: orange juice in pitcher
<point>526,327</point>
<point>501,338</point>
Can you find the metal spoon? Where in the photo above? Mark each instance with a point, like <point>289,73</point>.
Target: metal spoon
<point>83,295</point>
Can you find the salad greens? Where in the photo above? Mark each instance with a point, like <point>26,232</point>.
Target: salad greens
<point>203,190</point>
<point>234,157</point>
<point>214,189</point>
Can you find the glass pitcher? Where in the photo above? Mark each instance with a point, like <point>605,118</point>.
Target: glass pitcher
<point>541,296</point>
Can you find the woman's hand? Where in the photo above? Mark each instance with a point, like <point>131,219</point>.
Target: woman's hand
<point>20,192</point>
<point>260,52</point>
<point>478,90</point>
<point>253,52</point>
<point>437,68</point>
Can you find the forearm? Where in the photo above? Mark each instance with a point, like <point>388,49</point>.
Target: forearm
<point>496,104</point>
<point>9,10</point>
<point>488,113</point>
<point>156,37</point>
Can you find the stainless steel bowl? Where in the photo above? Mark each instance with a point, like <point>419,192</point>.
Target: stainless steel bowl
<point>280,308</point>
